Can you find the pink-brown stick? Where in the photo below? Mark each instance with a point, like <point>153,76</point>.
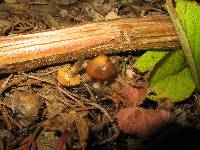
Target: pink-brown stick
<point>25,52</point>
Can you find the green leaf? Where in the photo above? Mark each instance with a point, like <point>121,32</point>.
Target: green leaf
<point>171,78</point>
<point>189,14</point>
<point>148,60</point>
<point>170,65</point>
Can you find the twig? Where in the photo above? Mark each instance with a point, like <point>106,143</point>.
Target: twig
<point>102,110</point>
<point>8,119</point>
<point>30,142</point>
<point>67,93</point>
<point>5,82</point>
<point>91,94</point>
<point>110,119</point>
<point>70,96</point>
<point>112,138</point>
<point>13,82</point>
<point>40,79</point>
<point>184,41</point>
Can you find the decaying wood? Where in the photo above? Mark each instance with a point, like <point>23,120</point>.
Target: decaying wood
<point>25,52</point>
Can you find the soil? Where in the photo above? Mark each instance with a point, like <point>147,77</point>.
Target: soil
<point>39,111</point>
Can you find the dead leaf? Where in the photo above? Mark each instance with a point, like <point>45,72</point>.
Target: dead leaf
<point>53,103</point>
<point>47,140</point>
<point>70,120</point>
<point>83,131</point>
<point>142,122</point>
<point>134,94</point>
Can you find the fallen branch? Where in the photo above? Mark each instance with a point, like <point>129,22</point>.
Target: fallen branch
<point>25,52</point>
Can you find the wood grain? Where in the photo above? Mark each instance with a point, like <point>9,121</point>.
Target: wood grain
<point>25,52</point>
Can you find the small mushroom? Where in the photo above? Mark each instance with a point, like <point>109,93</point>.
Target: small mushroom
<point>101,68</point>
<point>67,76</point>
